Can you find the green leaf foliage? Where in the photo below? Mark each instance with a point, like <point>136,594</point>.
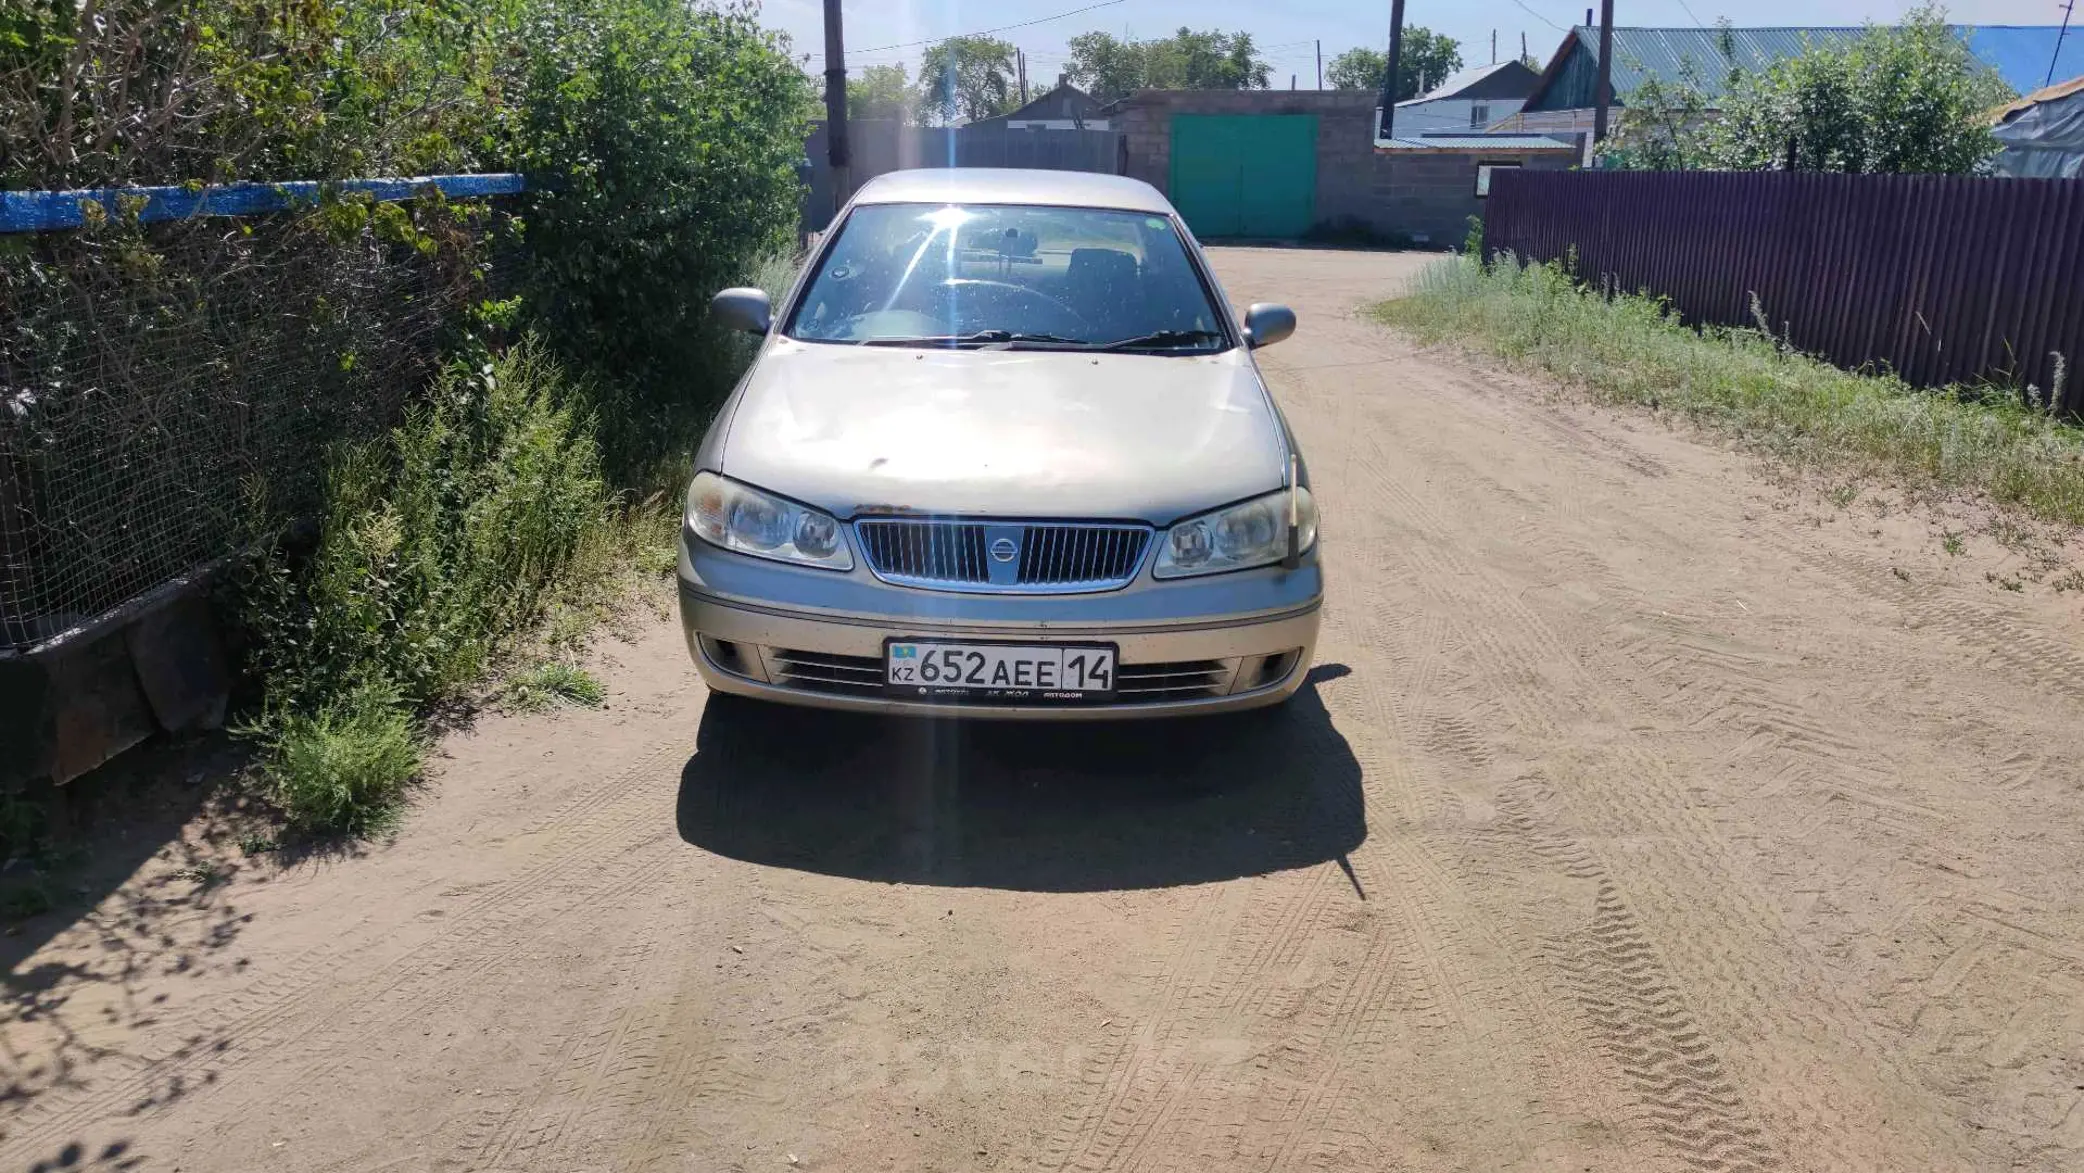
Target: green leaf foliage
<point>665,140</point>
<point>435,546</point>
<point>1424,60</point>
<point>1109,67</point>
<point>161,91</point>
<point>1901,99</point>
<point>882,91</point>
<point>963,79</point>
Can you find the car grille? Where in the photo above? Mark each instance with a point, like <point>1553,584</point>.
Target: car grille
<point>1134,683</point>
<point>1022,557</point>
<point>818,672</point>
<point>1183,680</point>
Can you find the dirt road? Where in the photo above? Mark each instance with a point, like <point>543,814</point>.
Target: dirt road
<point>1641,815</point>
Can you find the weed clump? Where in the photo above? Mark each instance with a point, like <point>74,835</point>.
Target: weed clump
<point>345,768</point>
<point>549,684</point>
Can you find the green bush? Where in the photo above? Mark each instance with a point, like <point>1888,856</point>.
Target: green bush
<point>1749,385</point>
<point>344,768</point>
<point>437,545</point>
<point>143,91</point>
<point>662,140</point>
<point>665,139</point>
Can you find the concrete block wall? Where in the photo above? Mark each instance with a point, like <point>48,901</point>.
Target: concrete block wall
<point>1428,195</point>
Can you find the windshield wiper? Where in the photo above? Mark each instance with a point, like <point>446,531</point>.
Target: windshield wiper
<point>980,338</point>
<point>1159,338</point>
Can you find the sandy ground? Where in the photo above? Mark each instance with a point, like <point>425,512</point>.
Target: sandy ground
<point>1643,814</point>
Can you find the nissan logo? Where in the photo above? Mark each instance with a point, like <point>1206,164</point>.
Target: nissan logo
<point>1003,550</point>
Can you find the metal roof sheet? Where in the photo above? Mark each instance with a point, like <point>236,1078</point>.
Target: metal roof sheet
<point>1455,83</point>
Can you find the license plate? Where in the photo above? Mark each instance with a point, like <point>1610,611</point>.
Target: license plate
<point>1004,672</point>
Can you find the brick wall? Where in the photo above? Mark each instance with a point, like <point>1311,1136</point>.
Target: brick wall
<point>1428,195</point>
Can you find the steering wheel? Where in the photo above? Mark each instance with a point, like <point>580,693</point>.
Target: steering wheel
<point>1007,291</point>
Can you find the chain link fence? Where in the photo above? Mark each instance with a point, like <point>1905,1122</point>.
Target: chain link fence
<point>166,388</point>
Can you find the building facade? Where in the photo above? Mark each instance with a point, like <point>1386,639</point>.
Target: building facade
<point>1286,164</point>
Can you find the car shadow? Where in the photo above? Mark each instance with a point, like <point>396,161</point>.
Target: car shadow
<point>1041,807</point>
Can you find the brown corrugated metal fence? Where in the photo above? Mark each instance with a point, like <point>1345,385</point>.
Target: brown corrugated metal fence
<point>1943,279</point>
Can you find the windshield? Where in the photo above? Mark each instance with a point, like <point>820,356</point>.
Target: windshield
<point>987,274</point>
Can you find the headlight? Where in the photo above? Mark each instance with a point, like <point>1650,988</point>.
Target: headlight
<point>1254,533</point>
<point>739,517</point>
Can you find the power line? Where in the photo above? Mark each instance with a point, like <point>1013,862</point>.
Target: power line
<point>1543,19</point>
<point>987,32</point>
<point>2057,55</point>
<point>1689,14</point>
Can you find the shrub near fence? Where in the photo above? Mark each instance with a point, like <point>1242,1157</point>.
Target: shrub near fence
<point>1941,279</point>
<point>153,377</point>
<point>174,391</point>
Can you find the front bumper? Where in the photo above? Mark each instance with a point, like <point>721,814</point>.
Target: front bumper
<point>763,629</point>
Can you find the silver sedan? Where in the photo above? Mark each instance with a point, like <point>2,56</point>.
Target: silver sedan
<point>1004,452</point>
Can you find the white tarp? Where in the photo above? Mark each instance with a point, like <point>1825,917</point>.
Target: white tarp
<point>2043,135</point>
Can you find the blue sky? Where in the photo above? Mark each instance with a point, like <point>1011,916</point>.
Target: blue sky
<point>1286,29</point>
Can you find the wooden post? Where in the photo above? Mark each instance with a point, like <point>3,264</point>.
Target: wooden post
<point>836,152</point>
<point>1320,64</point>
<point>1389,74</point>
<point>1606,70</point>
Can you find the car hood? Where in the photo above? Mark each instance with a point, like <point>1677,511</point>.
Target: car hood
<point>1011,433</point>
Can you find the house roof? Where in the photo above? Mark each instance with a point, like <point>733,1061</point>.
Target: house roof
<point>2061,89</point>
<point>2043,133</point>
<point>1064,100</point>
<point>2019,53</point>
<point>1505,79</point>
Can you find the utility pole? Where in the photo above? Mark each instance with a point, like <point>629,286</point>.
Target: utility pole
<point>1523,45</point>
<point>1291,83</point>
<point>1320,64</point>
<point>836,108</point>
<point>1389,74</point>
<point>1606,70</point>
<point>1022,57</point>
<point>2057,55</point>
<point>1494,46</point>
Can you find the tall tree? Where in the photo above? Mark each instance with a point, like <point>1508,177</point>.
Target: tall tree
<point>1108,67</point>
<point>1207,60</point>
<point>1426,60</point>
<point>882,91</point>
<point>963,79</point>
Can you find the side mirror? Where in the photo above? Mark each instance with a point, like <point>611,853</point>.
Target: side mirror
<point>745,309</point>
<point>1267,323</point>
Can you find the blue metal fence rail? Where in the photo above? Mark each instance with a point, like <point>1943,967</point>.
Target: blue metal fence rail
<point>121,441</point>
<point>56,211</point>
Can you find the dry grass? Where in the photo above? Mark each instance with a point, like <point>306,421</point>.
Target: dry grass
<point>1749,386</point>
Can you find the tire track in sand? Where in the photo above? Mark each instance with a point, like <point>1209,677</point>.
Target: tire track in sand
<point>312,991</point>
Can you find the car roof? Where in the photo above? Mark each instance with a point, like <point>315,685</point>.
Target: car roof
<point>992,185</point>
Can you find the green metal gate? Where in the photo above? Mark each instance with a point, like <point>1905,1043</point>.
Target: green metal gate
<point>1245,174</point>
